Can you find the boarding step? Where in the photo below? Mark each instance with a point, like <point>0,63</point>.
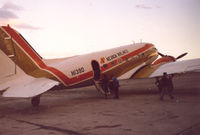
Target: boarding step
<point>98,85</point>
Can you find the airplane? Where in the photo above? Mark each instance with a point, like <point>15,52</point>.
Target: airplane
<point>39,75</point>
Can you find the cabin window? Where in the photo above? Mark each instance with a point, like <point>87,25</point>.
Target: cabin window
<point>142,55</point>
<point>113,63</point>
<point>119,61</point>
<point>105,65</point>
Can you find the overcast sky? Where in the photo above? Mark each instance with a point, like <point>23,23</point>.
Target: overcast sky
<point>62,28</point>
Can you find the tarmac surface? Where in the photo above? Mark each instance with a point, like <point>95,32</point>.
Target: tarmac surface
<point>86,112</point>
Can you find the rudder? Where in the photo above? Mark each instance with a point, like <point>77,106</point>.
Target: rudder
<point>19,51</point>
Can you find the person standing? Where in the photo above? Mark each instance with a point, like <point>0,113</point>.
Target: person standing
<point>171,87</point>
<point>166,86</point>
<point>158,84</point>
<point>115,87</point>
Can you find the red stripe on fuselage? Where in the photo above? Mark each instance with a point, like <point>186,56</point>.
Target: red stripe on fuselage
<point>123,58</point>
<point>55,72</point>
<point>34,56</point>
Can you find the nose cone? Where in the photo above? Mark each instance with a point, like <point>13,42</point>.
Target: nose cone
<point>152,52</point>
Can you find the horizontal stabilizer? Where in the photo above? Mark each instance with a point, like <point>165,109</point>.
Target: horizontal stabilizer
<point>29,87</point>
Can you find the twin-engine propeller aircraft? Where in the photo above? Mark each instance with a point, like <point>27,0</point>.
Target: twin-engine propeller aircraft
<point>39,75</point>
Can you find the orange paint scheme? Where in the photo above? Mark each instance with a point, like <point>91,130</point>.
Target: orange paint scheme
<point>164,59</point>
<point>53,73</point>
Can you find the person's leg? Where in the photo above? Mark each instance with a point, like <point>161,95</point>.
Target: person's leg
<point>159,89</point>
<point>169,91</point>
<point>116,93</point>
<point>170,94</point>
<point>162,93</point>
<point>106,91</point>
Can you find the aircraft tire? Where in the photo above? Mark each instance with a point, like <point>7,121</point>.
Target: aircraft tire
<point>35,101</point>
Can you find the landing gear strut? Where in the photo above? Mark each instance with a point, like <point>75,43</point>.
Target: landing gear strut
<point>35,101</point>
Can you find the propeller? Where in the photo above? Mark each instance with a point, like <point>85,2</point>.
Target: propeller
<point>161,54</point>
<point>180,56</point>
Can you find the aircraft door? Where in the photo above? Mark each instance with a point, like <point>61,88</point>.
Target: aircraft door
<point>96,70</point>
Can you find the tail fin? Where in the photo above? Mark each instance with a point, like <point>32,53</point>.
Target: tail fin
<point>19,50</point>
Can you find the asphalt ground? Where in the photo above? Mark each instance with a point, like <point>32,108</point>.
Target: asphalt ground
<point>86,112</point>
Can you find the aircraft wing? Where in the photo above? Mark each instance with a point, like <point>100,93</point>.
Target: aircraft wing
<point>186,82</point>
<point>178,67</point>
<point>186,77</point>
<point>27,86</point>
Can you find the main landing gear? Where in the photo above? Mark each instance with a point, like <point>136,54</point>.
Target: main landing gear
<point>35,101</point>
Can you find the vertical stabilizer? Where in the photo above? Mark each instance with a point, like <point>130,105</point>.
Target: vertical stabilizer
<point>21,53</point>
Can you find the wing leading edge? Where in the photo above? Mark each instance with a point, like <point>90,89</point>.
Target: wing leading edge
<point>178,67</point>
<point>28,86</point>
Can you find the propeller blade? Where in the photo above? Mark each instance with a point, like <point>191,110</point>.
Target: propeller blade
<point>182,55</point>
<point>161,54</point>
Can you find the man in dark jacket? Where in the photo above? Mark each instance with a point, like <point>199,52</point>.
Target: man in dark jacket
<point>115,87</point>
<point>166,86</point>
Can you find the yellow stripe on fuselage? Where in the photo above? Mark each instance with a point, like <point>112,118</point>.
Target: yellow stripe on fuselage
<point>10,47</point>
<point>145,57</point>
